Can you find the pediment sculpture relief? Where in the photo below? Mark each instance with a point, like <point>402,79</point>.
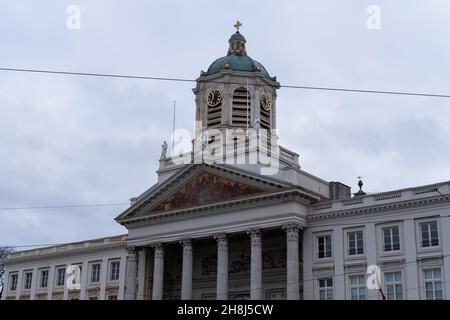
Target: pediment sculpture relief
<point>205,189</point>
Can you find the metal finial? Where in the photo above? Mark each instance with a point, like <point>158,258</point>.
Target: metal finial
<point>237,25</point>
<point>360,185</point>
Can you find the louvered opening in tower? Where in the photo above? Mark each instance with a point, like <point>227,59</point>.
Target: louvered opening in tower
<point>241,108</point>
<point>214,116</point>
<point>264,116</point>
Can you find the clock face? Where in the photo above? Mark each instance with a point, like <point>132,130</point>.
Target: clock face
<point>266,103</point>
<point>214,98</point>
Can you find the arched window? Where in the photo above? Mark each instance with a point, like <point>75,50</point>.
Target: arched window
<point>241,108</point>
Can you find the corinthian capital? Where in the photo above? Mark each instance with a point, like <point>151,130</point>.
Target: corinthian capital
<point>222,242</point>
<point>159,249</point>
<point>255,236</point>
<point>292,230</point>
<point>187,246</point>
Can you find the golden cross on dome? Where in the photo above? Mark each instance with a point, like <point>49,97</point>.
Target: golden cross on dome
<point>237,25</point>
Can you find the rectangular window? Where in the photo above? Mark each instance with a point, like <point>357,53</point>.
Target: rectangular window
<point>391,238</point>
<point>355,243</point>
<point>60,276</point>
<point>429,234</point>
<point>114,270</point>
<point>433,284</point>
<point>95,273</point>
<point>358,289</point>
<point>112,297</point>
<point>326,289</point>
<point>13,284</point>
<point>43,282</point>
<point>324,247</point>
<point>93,298</point>
<point>394,287</point>
<point>28,278</point>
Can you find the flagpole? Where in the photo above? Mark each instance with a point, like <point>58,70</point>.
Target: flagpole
<point>173,126</point>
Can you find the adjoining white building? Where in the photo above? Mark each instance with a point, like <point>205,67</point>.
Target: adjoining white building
<point>41,274</point>
<point>220,230</point>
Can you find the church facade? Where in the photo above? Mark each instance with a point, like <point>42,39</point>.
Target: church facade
<point>236,217</point>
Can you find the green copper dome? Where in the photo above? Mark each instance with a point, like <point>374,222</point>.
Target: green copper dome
<point>237,59</point>
<point>237,62</point>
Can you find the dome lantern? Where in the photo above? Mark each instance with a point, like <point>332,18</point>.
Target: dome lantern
<point>237,58</point>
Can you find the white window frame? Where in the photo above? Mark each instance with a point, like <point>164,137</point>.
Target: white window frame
<point>41,271</point>
<point>391,237</point>
<point>326,288</point>
<point>110,273</point>
<point>357,286</point>
<point>394,283</point>
<point>381,244</point>
<point>57,274</point>
<point>316,246</point>
<point>12,275</point>
<point>434,281</point>
<point>419,223</point>
<point>91,272</point>
<point>347,233</point>
<point>25,285</point>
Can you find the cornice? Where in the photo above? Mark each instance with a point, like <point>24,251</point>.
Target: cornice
<point>377,208</point>
<point>69,252</point>
<point>290,194</point>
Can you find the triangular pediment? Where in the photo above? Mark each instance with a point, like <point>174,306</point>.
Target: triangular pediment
<point>205,189</point>
<point>197,186</point>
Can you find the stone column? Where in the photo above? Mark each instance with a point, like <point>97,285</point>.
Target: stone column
<point>130,282</point>
<point>158,272</point>
<point>19,285</point>
<point>104,278</point>
<point>445,238</point>
<point>186,278</point>
<point>371,254</point>
<point>256,265</point>
<point>339,283</point>
<point>141,274</point>
<point>84,279</point>
<point>51,281</point>
<point>122,277</point>
<point>222,266</point>
<point>411,288</point>
<point>6,285</point>
<point>293,285</point>
<point>34,284</point>
<point>308,258</point>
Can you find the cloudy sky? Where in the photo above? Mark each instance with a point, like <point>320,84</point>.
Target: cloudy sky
<point>77,140</point>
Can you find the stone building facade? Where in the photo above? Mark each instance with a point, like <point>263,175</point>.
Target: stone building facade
<point>211,228</point>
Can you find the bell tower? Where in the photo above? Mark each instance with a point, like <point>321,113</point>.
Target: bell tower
<point>236,92</point>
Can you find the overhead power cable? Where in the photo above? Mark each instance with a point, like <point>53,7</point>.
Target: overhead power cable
<point>65,206</point>
<point>125,76</point>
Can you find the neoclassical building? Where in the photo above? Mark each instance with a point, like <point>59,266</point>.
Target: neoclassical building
<point>236,217</point>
